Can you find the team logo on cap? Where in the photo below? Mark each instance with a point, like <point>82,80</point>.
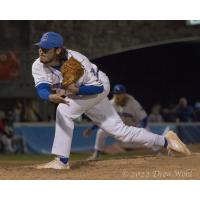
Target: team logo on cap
<point>117,88</point>
<point>45,38</point>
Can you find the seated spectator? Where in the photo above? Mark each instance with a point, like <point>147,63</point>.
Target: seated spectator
<point>197,111</point>
<point>184,112</point>
<point>9,66</point>
<point>155,115</point>
<point>18,112</point>
<point>32,113</point>
<point>2,116</point>
<point>169,113</point>
<point>12,143</point>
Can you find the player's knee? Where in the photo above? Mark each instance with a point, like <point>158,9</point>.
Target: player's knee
<point>115,128</point>
<point>125,133</point>
<point>63,113</point>
<point>101,134</point>
<point>60,111</point>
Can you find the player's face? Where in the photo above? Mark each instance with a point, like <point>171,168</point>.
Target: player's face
<point>47,55</point>
<point>120,99</point>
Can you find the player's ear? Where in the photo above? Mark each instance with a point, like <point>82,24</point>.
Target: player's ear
<point>58,51</point>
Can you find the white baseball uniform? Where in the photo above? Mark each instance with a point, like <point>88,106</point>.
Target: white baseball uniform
<point>131,114</point>
<point>97,107</point>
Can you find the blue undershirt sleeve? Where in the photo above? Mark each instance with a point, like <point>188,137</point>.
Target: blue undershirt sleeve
<point>90,90</point>
<point>43,91</point>
<point>94,127</point>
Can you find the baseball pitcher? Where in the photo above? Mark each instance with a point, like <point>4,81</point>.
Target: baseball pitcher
<point>69,79</point>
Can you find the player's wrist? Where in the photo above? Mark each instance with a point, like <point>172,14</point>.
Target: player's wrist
<point>73,89</point>
<point>51,97</point>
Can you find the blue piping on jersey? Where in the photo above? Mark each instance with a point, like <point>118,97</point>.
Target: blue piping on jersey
<point>47,82</point>
<point>94,127</point>
<point>43,91</point>
<point>57,67</point>
<point>90,90</point>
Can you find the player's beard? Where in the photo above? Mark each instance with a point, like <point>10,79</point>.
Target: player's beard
<point>48,61</point>
<point>121,101</point>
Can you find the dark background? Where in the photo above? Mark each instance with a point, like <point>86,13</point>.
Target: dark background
<point>158,61</point>
<point>157,74</point>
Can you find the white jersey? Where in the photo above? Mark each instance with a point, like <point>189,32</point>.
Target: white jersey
<point>131,113</point>
<point>46,74</point>
<point>96,107</point>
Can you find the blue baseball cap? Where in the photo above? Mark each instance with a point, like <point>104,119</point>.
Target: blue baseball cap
<point>50,40</point>
<point>119,88</point>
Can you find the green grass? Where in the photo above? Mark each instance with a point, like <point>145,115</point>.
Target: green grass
<point>74,156</point>
<point>29,157</point>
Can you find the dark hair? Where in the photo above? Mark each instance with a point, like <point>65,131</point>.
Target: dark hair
<point>63,54</point>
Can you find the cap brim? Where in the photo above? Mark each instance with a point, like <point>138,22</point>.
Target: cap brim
<point>120,92</point>
<point>42,45</point>
<point>37,44</point>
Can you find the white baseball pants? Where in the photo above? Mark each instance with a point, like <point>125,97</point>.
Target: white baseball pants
<point>99,109</point>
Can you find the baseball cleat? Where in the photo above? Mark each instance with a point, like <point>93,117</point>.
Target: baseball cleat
<point>54,164</point>
<point>170,153</point>
<point>175,144</point>
<point>95,155</point>
<point>158,148</point>
<point>93,158</point>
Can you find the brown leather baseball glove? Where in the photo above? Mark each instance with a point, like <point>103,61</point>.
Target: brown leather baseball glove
<point>72,71</point>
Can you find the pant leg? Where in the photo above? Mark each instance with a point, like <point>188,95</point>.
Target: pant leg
<point>143,123</point>
<point>63,134</point>
<point>65,115</point>
<point>105,116</point>
<point>100,140</point>
<point>64,120</point>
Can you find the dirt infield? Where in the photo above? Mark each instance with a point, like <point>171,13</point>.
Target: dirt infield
<point>148,166</point>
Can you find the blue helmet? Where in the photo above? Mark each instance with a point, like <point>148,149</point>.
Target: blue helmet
<point>119,88</point>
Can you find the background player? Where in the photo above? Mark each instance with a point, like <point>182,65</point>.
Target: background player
<point>87,95</point>
<point>130,111</point>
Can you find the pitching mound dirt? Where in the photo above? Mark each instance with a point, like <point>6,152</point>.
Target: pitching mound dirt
<point>141,167</point>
